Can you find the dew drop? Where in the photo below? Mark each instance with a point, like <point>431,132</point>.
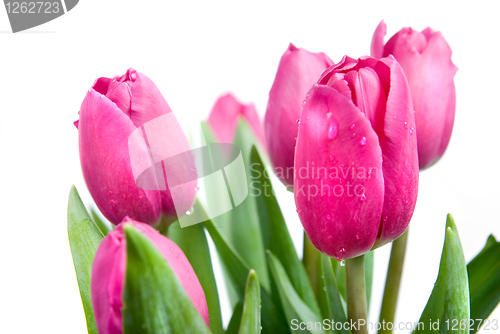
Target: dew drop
<point>357,237</point>
<point>328,217</point>
<point>341,181</point>
<point>295,138</point>
<point>332,157</point>
<point>298,121</point>
<point>407,201</point>
<point>411,130</point>
<point>102,96</point>
<point>362,197</point>
<point>385,218</point>
<point>197,188</point>
<point>142,196</point>
<point>342,263</point>
<point>352,126</point>
<point>353,134</point>
<point>307,95</point>
<point>304,103</point>
<point>406,125</point>
<point>298,210</point>
<point>363,141</point>
<point>112,202</point>
<point>188,213</point>
<point>333,130</point>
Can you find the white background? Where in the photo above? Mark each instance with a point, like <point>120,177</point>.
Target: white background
<point>194,52</point>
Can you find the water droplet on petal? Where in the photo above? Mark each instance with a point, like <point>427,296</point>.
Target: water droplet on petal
<point>298,121</point>
<point>197,188</point>
<point>188,213</point>
<point>112,202</point>
<point>407,201</point>
<point>298,210</point>
<point>357,237</point>
<point>352,126</point>
<point>332,157</point>
<point>411,130</point>
<point>333,130</point>
<point>342,263</point>
<point>341,181</point>
<point>406,125</point>
<point>363,141</point>
<point>362,197</point>
<point>141,196</point>
<point>307,95</point>
<point>304,103</point>
<point>353,135</point>
<point>102,96</point>
<point>386,218</point>
<point>328,217</point>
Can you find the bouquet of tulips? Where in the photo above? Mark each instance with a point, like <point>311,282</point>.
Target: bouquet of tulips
<point>347,138</point>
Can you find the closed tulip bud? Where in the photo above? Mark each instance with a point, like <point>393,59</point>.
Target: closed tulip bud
<point>108,275</point>
<point>224,117</point>
<point>126,132</point>
<point>298,70</point>
<point>356,158</point>
<point>426,59</point>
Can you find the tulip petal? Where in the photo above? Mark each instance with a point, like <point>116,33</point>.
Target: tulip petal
<point>433,92</point>
<point>297,72</point>
<point>340,198</point>
<point>147,103</point>
<point>377,46</point>
<point>104,132</point>
<point>399,149</point>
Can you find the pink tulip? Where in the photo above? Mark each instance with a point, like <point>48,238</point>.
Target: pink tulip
<point>108,275</point>
<point>114,116</point>
<point>224,118</point>
<point>426,59</point>
<point>297,72</point>
<point>356,158</point>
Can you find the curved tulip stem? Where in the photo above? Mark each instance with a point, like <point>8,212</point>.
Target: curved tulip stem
<point>356,294</point>
<point>310,261</point>
<point>392,282</point>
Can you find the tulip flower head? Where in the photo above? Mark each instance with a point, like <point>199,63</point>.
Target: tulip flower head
<point>224,117</point>
<point>356,158</point>
<point>426,59</point>
<point>126,132</point>
<point>108,275</point>
<point>298,70</point>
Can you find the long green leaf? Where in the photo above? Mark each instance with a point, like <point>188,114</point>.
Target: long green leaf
<point>193,242</point>
<point>329,296</point>
<point>250,319</point>
<point>84,238</point>
<point>449,301</point>
<point>246,236</point>
<point>234,323</point>
<point>272,320</point>
<point>275,232</point>
<point>154,300</point>
<point>300,317</point>
<point>484,282</point>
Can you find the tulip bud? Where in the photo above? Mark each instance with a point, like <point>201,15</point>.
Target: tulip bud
<point>298,70</point>
<point>118,139</point>
<point>224,116</point>
<point>426,59</point>
<point>108,275</point>
<point>356,158</point>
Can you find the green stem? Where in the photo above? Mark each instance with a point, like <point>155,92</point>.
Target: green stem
<point>392,282</point>
<point>310,261</point>
<point>356,294</point>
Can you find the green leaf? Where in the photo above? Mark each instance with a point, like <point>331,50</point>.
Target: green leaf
<point>193,242</point>
<point>154,299</point>
<point>84,238</point>
<point>104,227</point>
<point>246,236</point>
<point>234,323</point>
<point>275,232</point>
<point>329,295</point>
<point>237,269</point>
<point>250,319</point>
<point>484,282</point>
<point>296,311</point>
<point>449,301</point>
